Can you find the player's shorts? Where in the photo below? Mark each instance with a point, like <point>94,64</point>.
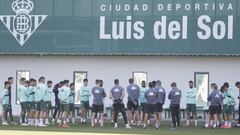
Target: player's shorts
<point>142,105</point>
<point>239,109</point>
<point>48,105</point>
<point>64,107</point>
<point>85,104</point>
<point>159,107</point>
<point>97,109</point>
<point>191,108</point>
<point>131,106</point>
<point>213,109</point>
<point>220,109</point>
<point>33,105</point>
<point>28,105</point>
<point>150,108</point>
<point>24,106</point>
<point>6,107</point>
<point>71,107</point>
<point>41,106</point>
<point>228,109</point>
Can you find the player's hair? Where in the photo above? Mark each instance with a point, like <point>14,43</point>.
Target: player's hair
<point>150,85</point>
<point>214,85</point>
<point>154,83</point>
<point>85,80</point>
<point>72,84</point>
<point>27,82</point>
<point>173,84</point>
<point>65,81</point>
<point>6,83</point>
<point>22,79</point>
<point>237,83</point>
<point>97,81</point>
<point>158,83</point>
<point>41,78</point>
<point>131,80</point>
<point>222,88</point>
<point>226,84</point>
<point>10,78</point>
<point>31,80</point>
<point>190,81</point>
<point>116,81</point>
<point>49,82</point>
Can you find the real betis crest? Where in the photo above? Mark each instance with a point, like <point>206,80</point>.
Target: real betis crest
<point>22,25</point>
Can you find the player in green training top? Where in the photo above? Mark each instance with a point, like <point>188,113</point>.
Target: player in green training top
<point>32,99</point>
<point>191,94</point>
<point>48,101</point>
<point>22,90</point>
<point>71,102</point>
<point>5,102</point>
<point>40,94</point>
<point>228,105</point>
<point>142,98</point>
<point>64,95</point>
<point>84,96</point>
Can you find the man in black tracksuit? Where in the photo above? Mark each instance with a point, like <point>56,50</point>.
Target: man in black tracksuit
<point>10,80</point>
<point>117,94</point>
<point>175,97</point>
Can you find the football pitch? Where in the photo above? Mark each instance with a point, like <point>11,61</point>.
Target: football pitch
<point>109,130</point>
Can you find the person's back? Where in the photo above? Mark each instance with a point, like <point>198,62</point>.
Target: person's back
<point>133,91</point>
<point>161,94</point>
<point>175,96</point>
<point>151,96</point>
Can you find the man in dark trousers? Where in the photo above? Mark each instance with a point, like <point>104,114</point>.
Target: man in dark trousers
<point>175,97</point>
<point>238,86</point>
<point>117,94</point>
<point>10,80</point>
<point>56,113</point>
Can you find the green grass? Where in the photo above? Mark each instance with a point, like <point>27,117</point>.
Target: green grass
<point>109,130</point>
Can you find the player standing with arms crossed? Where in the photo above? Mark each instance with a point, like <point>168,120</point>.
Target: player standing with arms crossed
<point>191,94</point>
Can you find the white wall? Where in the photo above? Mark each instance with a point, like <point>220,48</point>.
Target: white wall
<point>166,69</point>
